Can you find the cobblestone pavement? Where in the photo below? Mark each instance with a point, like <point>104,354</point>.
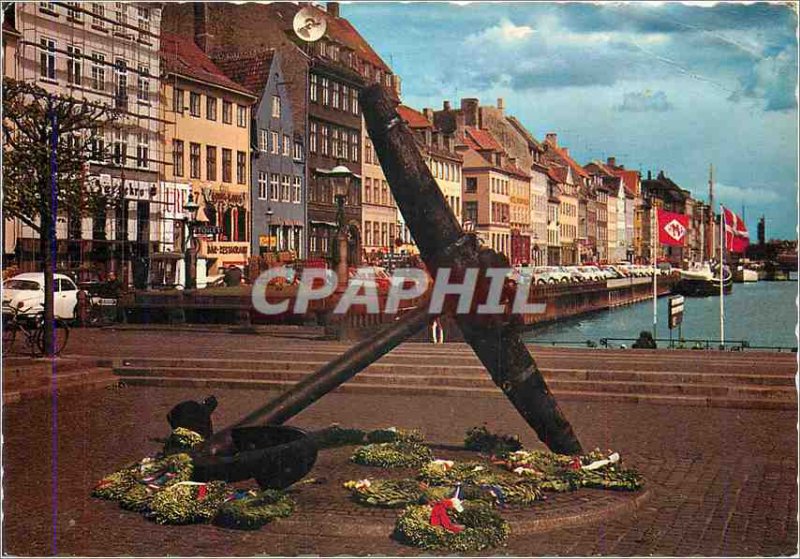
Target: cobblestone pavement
<point>723,480</point>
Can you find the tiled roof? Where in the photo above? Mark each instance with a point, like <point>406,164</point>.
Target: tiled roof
<point>414,118</point>
<point>532,142</point>
<point>249,69</point>
<point>338,29</point>
<point>557,173</point>
<point>481,139</point>
<point>629,177</point>
<point>600,168</point>
<point>555,152</point>
<point>181,56</point>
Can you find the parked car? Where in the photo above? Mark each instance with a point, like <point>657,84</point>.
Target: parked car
<point>26,292</point>
<point>590,273</point>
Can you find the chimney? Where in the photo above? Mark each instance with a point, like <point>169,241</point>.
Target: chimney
<point>611,161</point>
<point>446,105</point>
<point>428,114</point>
<point>566,151</point>
<point>649,175</point>
<point>470,109</point>
<point>202,38</point>
<point>428,136</point>
<point>332,8</point>
<point>501,105</point>
<point>552,139</point>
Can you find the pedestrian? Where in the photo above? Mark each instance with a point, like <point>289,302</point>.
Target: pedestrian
<point>437,332</point>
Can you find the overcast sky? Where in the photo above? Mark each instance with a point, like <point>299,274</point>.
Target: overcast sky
<point>658,85</point>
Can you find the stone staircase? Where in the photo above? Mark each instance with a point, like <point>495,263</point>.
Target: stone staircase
<point>25,378</point>
<point>692,378</point>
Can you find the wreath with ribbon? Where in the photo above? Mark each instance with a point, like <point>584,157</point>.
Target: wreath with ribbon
<point>479,527</point>
<point>400,454</point>
<point>252,510</point>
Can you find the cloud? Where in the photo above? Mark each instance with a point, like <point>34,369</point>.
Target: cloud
<point>645,101</point>
<point>772,79</point>
<point>504,33</point>
<point>734,196</point>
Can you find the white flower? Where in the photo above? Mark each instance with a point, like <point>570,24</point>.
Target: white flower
<point>442,464</point>
<point>522,471</point>
<point>478,469</point>
<point>363,484</point>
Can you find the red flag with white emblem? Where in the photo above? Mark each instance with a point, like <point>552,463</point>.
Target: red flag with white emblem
<point>672,228</point>
<point>737,239</point>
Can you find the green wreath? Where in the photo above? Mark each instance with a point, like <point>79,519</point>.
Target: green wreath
<point>482,440</point>
<point>442,472</point>
<point>386,493</point>
<point>182,440</point>
<point>392,434</point>
<point>483,528</point>
<point>400,454</point>
<point>188,503</point>
<point>254,510</point>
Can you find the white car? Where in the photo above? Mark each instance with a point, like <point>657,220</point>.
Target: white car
<point>26,292</point>
<point>591,273</point>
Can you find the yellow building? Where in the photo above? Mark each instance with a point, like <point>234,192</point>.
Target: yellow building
<point>207,138</point>
<point>378,208</point>
<point>567,216</point>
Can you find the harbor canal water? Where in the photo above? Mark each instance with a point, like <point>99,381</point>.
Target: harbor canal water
<point>762,313</point>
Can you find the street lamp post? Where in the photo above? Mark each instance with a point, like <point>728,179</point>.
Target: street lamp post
<point>190,208</point>
<point>268,215</point>
<point>342,178</point>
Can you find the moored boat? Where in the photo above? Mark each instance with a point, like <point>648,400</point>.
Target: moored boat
<point>745,275</point>
<point>702,280</point>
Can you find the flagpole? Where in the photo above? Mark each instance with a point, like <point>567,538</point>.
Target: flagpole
<point>721,282</point>
<point>655,231</point>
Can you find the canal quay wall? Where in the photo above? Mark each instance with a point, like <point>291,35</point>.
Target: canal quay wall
<point>234,306</point>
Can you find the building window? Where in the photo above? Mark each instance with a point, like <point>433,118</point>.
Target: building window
<point>98,71</point>
<point>177,157</point>
<point>49,7</point>
<point>312,137</point>
<point>121,93</point>
<point>276,106</point>
<point>227,112</point>
<point>97,147</point>
<point>287,145</point>
<point>335,95</point>
<point>298,151</point>
<point>325,91</point>
<point>142,151</point>
<point>471,211</point>
<point>273,186</point>
<point>74,65</point>
<point>120,155</point>
<point>143,84</point>
<point>211,163</point>
<point>47,58</point>
<point>471,185</point>
<point>262,186</point>
<point>194,160</point>
<point>74,12</point>
<point>285,193</point>
<point>297,185</point>
<point>368,190</point>
<point>241,116</point>
<point>263,140</point>
<point>194,104</point>
<point>314,94</point>
<point>275,142</point>
<point>227,163</point>
<point>144,24</point>
<point>211,108</point>
<point>241,167</point>
<point>336,144</point>
<point>368,233</point>
<point>324,141</point>
<point>354,147</point>
<point>98,17</point>
<point>177,100</point>
<point>354,103</point>
<point>345,98</point>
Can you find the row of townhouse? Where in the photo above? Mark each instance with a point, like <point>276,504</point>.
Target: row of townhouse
<point>224,103</point>
<point>220,102</point>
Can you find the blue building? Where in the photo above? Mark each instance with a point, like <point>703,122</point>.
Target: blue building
<point>278,190</point>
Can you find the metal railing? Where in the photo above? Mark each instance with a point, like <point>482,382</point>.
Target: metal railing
<point>667,343</point>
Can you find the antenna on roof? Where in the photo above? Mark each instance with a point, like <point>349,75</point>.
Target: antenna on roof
<point>309,25</point>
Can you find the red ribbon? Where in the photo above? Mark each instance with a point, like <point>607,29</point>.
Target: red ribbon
<point>439,516</point>
<point>201,492</point>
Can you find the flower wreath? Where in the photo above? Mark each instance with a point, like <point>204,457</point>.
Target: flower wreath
<point>400,454</point>
<point>251,510</point>
<point>483,528</point>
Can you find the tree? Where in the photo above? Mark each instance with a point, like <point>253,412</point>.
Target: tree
<point>48,141</point>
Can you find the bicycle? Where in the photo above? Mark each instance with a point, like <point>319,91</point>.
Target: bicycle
<point>99,314</point>
<point>31,325</point>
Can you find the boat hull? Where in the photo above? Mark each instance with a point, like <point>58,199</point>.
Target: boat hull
<point>702,287</point>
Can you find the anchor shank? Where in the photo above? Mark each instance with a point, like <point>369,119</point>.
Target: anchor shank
<point>437,234</point>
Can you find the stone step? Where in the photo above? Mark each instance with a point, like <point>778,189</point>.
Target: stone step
<point>15,369</point>
<point>34,381</point>
<point>92,379</point>
<point>555,382</point>
<point>248,369</point>
<point>405,390</point>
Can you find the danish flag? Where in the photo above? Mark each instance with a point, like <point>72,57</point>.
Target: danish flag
<point>737,239</point>
<point>672,228</point>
